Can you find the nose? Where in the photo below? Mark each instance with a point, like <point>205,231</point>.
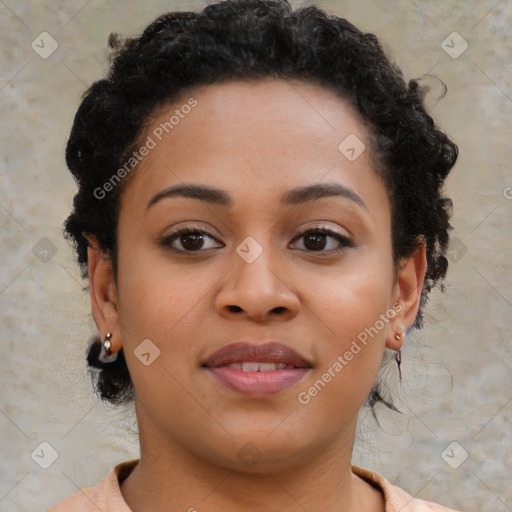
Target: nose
<point>257,291</point>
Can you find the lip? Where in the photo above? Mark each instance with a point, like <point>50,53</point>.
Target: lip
<point>257,383</point>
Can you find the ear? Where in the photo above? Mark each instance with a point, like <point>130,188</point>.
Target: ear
<point>407,294</point>
<point>103,293</point>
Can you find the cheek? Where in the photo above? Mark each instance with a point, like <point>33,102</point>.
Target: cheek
<point>166,304</point>
<point>350,299</point>
<point>163,308</point>
<point>155,293</point>
<point>352,312</point>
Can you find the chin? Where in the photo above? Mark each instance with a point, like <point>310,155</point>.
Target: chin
<point>259,453</point>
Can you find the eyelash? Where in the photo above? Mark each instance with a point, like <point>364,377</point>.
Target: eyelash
<point>343,240</point>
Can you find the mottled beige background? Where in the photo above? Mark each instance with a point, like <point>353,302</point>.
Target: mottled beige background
<point>457,374</point>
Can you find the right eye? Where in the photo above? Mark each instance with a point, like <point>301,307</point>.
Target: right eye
<point>191,239</point>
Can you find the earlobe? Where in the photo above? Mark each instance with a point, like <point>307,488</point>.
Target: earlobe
<point>103,292</point>
<point>408,292</point>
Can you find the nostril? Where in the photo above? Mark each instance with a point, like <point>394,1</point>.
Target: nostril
<point>237,309</point>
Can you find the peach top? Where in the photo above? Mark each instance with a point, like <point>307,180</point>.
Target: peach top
<point>106,495</point>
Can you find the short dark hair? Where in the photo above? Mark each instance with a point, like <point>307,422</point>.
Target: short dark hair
<point>247,40</point>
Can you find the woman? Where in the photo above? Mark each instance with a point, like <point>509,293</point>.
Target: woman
<point>259,215</point>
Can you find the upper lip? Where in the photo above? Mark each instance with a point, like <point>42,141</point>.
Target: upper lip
<point>270,352</point>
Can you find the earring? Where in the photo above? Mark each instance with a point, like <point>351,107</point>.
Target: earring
<point>398,356</point>
<point>398,359</point>
<point>106,355</point>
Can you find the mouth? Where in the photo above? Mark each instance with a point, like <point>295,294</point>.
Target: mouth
<point>259,366</point>
<point>257,370</point>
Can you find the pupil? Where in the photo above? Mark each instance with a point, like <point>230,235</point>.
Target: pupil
<point>316,237</point>
<point>197,241</point>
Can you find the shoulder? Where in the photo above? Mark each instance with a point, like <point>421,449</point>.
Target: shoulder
<point>105,496</point>
<point>396,499</point>
<point>81,501</point>
<point>76,502</point>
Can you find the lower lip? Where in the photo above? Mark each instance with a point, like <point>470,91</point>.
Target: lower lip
<point>257,383</point>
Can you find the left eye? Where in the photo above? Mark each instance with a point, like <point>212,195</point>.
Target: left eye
<point>315,240</point>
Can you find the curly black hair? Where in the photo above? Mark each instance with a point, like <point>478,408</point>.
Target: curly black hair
<point>248,40</point>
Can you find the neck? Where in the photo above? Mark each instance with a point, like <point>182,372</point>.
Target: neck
<point>170,478</point>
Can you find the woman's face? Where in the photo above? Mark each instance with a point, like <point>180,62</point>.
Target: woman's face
<point>270,150</point>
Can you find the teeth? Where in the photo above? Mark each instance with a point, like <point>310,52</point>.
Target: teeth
<point>250,367</point>
<point>267,367</point>
<point>254,366</point>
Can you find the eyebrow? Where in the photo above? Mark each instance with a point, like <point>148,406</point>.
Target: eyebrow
<point>295,196</point>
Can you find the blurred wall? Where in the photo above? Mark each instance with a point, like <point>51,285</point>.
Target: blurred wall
<point>452,444</point>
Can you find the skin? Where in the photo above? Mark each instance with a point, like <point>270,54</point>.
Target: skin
<point>254,140</point>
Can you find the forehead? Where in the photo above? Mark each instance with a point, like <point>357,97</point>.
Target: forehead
<point>255,135</point>
<point>292,108</point>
